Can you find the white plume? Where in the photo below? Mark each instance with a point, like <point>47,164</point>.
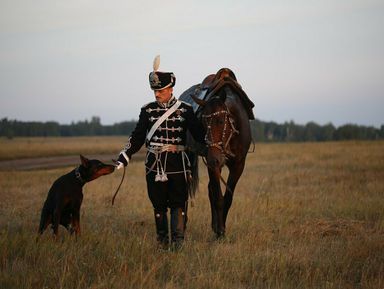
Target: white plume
<point>156,63</point>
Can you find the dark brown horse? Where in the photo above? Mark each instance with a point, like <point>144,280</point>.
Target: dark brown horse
<point>225,111</point>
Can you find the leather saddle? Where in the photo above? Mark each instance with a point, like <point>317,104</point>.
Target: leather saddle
<point>213,83</point>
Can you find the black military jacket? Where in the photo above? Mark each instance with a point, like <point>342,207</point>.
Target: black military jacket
<point>171,131</point>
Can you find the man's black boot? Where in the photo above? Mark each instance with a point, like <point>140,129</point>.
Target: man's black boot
<point>177,228</point>
<point>162,229</point>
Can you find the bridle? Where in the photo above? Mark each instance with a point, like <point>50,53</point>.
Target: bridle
<point>223,144</point>
<point>229,130</point>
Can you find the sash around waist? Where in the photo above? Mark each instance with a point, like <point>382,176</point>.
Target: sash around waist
<point>160,147</point>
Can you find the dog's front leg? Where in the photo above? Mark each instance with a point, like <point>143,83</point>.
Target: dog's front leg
<point>56,221</point>
<point>76,221</point>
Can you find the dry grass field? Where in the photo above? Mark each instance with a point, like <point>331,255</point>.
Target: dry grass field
<point>305,215</point>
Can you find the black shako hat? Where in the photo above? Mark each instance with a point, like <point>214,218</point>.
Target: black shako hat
<point>159,80</point>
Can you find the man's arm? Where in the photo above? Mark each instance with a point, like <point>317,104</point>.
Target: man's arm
<point>135,141</point>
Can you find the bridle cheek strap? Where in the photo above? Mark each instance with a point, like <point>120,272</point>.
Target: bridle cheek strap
<point>223,144</point>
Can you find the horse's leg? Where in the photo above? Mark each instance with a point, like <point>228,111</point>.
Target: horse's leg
<point>235,171</point>
<point>213,198</point>
<point>217,202</point>
<point>212,201</point>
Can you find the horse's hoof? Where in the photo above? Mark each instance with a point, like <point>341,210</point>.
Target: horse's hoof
<point>220,235</point>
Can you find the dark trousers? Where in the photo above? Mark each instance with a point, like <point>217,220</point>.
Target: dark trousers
<point>169,194</point>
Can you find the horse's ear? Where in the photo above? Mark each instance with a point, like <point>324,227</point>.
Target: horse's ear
<point>200,102</point>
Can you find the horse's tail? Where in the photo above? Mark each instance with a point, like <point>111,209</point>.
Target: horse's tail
<point>193,182</point>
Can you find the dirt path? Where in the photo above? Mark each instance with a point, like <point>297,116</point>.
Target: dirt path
<point>53,162</point>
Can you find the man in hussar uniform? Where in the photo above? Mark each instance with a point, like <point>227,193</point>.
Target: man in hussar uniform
<point>163,126</point>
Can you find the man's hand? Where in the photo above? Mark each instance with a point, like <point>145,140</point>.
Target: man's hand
<point>121,161</point>
<point>119,165</point>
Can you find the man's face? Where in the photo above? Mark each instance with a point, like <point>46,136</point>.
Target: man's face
<point>164,95</point>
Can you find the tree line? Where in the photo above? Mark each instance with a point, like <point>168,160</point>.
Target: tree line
<point>289,131</point>
<point>261,131</point>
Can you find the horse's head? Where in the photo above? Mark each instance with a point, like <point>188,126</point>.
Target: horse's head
<point>219,129</point>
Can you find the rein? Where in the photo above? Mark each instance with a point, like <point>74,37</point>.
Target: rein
<point>118,188</point>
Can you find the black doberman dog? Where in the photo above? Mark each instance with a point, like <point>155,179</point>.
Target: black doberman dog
<point>64,199</point>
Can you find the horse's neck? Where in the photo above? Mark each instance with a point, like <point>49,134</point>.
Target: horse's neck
<point>241,141</point>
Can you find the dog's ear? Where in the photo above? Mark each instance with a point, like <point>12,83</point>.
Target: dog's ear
<point>84,161</point>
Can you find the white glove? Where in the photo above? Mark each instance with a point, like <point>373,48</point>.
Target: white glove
<point>119,165</point>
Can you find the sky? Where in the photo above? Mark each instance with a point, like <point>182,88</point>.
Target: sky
<point>298,60</point>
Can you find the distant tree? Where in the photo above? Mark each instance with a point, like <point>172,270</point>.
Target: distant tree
<point>312,131</point>
<point>257,130</point>
<point>6,128</point>
<point>95,127</point>
<point>290,130</point>
<point>328,131</point>
<point>348,132</point>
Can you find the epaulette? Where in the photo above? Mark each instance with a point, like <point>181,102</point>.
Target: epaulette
<point>145,105</point>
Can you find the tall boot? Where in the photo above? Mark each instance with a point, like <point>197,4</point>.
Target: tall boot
<point>161,221</point>
<point>177,228</point>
